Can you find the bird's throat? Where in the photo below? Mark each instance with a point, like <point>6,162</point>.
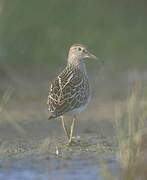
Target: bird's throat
<point>80,64</point>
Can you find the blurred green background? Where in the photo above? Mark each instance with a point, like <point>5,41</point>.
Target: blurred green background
<point>35,35</point>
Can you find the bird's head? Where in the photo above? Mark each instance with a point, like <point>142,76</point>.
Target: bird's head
<point>79,51</point>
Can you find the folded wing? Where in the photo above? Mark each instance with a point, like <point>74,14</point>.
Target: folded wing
<point>68,91</point>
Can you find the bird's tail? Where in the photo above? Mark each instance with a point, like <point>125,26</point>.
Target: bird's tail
<point>51,117</point>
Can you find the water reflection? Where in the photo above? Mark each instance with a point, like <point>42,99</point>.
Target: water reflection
<point>73,169</point>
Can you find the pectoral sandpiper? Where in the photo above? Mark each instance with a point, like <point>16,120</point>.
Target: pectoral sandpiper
<point>69,92</point>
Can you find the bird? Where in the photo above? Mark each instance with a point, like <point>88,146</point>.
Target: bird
<point>69,92</point>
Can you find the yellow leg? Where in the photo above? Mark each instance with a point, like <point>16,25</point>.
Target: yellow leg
<point>71,130</point>
<point>65,128</point>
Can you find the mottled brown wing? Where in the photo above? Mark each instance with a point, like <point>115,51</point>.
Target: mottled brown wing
<point>67,92</point>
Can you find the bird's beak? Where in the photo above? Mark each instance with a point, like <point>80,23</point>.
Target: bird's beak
<point>89,55</point>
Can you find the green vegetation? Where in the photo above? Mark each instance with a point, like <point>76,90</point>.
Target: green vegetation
<point>3,102</point>
<point>4,99</point>
<point>36,34</point>
<point>131,134</point>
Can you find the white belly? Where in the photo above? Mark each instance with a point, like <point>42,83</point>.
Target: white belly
<point>81,108</point>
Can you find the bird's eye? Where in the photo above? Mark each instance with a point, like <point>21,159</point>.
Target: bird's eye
<point>84,51</point>
<point>79,49</point>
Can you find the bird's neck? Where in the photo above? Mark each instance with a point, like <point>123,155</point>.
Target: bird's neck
<point>78,64</point>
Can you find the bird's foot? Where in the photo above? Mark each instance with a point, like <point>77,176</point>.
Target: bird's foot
<point>73,141</point>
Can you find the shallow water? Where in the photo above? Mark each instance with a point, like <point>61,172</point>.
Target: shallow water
<point>83,168</point>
